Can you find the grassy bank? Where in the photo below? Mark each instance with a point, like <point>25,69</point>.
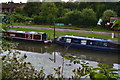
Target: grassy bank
<point>96,28</point>
<point>61,33</point>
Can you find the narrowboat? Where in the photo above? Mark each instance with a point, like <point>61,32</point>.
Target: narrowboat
<point>89,43</point>
<point>35,36</point>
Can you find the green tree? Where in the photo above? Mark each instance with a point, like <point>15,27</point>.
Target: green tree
<point>39,20</point>
<point>32,8</point>
<point>19,18</point>
<point>19,10</point>
<point>99,8</point>
<point>117,8</point>
<point>73,17</point>
<point>107,14</point>
<point>71,5</point>
<point>49,11</point>
<point>89,17</point>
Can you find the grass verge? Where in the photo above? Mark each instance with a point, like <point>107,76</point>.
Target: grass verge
<point>61,33</point>
<point>96,28</point>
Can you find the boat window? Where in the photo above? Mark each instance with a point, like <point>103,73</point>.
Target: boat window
<point>112,45</point>
<point>83,42</point>
<point>44,36</point>
<point>89,42</point>
<point>76,41</point>
<point>94,43</point>
<point>104,44</point>
<point>97,43</point>
<point>12,34</point>
<point>68,40</point>
<point>63,39</point>
<point>20,35</point>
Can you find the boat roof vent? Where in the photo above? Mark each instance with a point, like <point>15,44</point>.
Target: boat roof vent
<point>33,32</point>
<point>21,31</point>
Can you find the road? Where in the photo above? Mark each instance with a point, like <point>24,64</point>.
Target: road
<point>61,29</point>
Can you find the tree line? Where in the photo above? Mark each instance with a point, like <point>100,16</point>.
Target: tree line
<point>77,13</point>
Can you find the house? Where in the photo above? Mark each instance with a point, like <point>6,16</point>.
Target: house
<point>10,6</point>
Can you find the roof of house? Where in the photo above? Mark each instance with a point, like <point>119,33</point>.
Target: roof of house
<point>12,5</point>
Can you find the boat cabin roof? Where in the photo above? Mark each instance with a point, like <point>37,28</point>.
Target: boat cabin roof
<point>25,32</point>
<point>86,38</point>
<point>115,42</point>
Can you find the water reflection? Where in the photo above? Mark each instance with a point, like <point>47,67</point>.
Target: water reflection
<point>51,56</point>
<point>103,57</point>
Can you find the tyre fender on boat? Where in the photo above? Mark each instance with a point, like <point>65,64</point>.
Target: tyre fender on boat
<point>48,42</point>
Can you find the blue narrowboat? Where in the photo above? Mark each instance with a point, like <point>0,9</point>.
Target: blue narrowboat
<point>89,43</point>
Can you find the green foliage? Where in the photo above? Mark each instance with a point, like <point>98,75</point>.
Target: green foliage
<point>19,10</point>
<point>49,11</point>
<point>60,20</point>
<point>107,14</point>
<point>32,8</point>
<point>39,20</point>
<point>84,17</point>
<point>89,17</point>
<point>14,66</point>
<point>116,24</point>
<point>117,8</point>
<point>7,22</point>
<point>73,17</point>
<point>21,18</point>
<point>83,71</point>
<point>102,72</point>
<point>67,13</point>
<point>71,5</point>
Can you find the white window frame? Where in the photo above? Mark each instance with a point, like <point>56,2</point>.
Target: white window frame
<point>13,35</point>
<point>83,42</point>
<point>68,40</point>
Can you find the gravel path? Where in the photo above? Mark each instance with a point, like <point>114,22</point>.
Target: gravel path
<point>60,29</point>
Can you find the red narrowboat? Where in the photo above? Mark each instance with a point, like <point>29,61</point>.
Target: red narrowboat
<point>36,36</point>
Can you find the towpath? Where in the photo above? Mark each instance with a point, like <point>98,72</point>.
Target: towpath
<point>61,29</point>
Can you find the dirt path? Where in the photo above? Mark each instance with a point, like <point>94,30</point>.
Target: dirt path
<point>60,29</point>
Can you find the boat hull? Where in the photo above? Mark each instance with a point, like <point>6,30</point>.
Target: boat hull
<point>106,49</point>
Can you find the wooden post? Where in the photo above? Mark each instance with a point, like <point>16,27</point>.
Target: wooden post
<point>113,35</point>
<point>54,31</point>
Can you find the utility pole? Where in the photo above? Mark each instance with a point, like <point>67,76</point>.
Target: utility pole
<point>54,31</point>
<point>54,45</point>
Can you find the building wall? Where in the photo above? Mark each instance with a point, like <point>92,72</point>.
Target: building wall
<point>9,7</point>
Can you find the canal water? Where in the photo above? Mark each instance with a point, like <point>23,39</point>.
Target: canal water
<point>51,56</point>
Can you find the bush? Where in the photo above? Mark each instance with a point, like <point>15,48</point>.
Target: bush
<point>39,20</point>
<point>107,14</point>
<point>60,20</point>
<point>73,17</point>
<point>89,17</point>
<point>21,18</point>
<point>86,17</point>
